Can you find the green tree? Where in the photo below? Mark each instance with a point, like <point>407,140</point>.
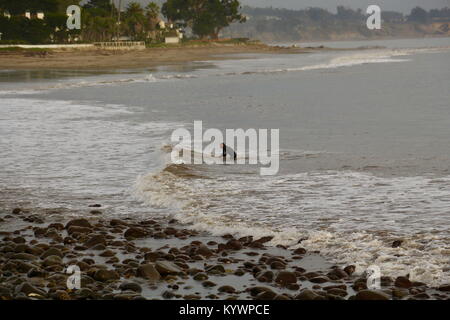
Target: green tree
<point>152,11</point>
<point>135,21</point>
<point>206,17</point>
<point>18,7</point>
<point>418,15</point>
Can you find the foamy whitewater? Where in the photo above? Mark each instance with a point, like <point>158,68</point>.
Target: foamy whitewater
<point>364,152</point>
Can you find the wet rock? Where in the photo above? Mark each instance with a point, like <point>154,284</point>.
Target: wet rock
<point>337,273</point>
<point>310,275</point>
<point>307,294</point>
<point>166,267</point>
<point>95,240</point>
<point>61,295</point>
<point>204,251</point>
<point>293,286</point>
<point>28,290</point>
<point>286,277</point>
<point>78,223</point>
<point>277,265</point>
<point>104,275</point>
<point>445,288</point>
<point>125,296</point>
<point>350,269</point>
<point>397,243</point>
<point>160,235</point>
<point>371,295</point>
<point>265,276</point>
<point>418,284</point>
<point>133,286</point>
<point>21,248</point>
<point>337,292</point>
<point>134,233</point>
<point>51,261</point>
<point>359,284</point>
<point>399,293</point>
<point>403,282</point>
<point>52,252</point>
<point>233,245</point>
<point>266,295</point>
<point>227,289</point>
<point>56,226</point>
<point>117,222</point>
<point>386,281</point>
<point>148,271</point>
<point>74,230</point>
<point>24,267</point>
<point>299,251</point>
<point>421,296</point>
<point>264,239</point>
<point>152,256</point>
<point>192,297</point>
<point>107,253</point>
<point>97,247</point>
<point>16,211</point>
<point>216,269</point>
<point>337,286</point>
<point>254,291</point>
<point>5,293</point>
<point>200,277</point>
<point>19,240</point>
<point>23,256</point>
<point>239,272</point>
<point>36,272</point>
<point>208,284</point>
<point>320,279</point>
<point>170,231</point>
<point>168,294</point>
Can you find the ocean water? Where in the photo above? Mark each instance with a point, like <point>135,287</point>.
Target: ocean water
<point>364,149</point>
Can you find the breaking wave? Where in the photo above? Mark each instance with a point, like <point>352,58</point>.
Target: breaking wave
<point>350,217</point>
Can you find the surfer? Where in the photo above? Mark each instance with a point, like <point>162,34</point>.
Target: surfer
<point>227,150</point>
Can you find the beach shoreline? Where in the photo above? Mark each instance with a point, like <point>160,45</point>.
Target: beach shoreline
<point>100,59</point>
<point>159,258</point>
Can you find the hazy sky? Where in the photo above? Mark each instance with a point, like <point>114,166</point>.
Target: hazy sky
<point>397,5</point>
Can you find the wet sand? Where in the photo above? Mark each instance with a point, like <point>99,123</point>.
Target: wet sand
<point>72,59</point>
<point>128,259</point>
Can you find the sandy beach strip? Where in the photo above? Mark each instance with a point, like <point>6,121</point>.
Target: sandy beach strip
<point>87,59</point>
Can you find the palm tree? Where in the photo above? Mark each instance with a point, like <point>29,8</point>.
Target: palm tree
<point>152,13</point>
<point>135,20</point>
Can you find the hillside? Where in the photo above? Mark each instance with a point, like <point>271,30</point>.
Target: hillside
<point>282,25</point>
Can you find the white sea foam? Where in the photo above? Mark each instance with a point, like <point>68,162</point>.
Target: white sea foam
<point>63,152</point>
<point>350,217</point>
<point>88,82</point>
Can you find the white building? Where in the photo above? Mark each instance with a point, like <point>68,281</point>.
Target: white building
<point>40,15</point>
<point>162,24</point>
<point>172,40</point>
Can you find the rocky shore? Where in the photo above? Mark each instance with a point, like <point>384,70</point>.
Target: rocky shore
<point>128,259</point>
